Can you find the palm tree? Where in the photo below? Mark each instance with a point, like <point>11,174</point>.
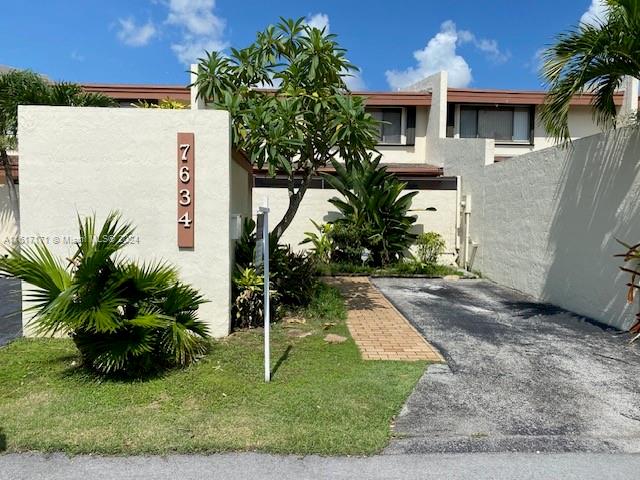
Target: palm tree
<point>593,58</point>
<point>22,87</point>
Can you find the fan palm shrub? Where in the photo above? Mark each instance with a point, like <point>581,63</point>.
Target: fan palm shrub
<point>124,317</point>
<point>374,211</point>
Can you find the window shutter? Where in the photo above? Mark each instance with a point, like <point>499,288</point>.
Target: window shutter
<point>411,126</point>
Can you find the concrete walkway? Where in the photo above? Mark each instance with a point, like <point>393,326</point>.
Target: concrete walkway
<point>10,315</point>
<point>249,466</point>
<point>523,376</point>
<point>379,330</point>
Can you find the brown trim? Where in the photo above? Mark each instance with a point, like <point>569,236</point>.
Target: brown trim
<point>400,169</point>
<point>513,97</point>
<point>454,95</point>
<point>140,92</point>
<point>318,183</point>
<point>399,99</point>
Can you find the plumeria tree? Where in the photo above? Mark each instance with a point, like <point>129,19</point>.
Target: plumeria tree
<point>290,108</point>
<point>595,58</point>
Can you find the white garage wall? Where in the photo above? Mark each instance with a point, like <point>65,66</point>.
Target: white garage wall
<point>546,222</point>
<point>85,160</point>
<point>315,205</point>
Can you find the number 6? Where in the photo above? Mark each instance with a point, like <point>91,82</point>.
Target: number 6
<point>184,174</point>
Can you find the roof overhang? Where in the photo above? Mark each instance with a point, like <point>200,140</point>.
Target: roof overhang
<point>514,97</point>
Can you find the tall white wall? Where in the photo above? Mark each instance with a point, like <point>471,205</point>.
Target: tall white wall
<point>547,222</point>
<point>85,160</point>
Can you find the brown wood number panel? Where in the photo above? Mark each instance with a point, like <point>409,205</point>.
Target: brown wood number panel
<point>186,190</point>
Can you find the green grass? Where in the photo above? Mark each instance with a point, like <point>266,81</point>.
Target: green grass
<point>323,398</point>
<point>397,269</point>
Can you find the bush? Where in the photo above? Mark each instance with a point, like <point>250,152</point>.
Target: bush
<point>322,241</point>
<point>292,275</point>
<point>430,246</point>
<point>374,211</point>
<point>124,317</point>
<point>248,306</point>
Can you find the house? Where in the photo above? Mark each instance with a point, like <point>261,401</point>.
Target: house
<point>423,126</point>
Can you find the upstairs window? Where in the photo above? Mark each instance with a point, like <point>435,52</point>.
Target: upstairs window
<point>392,130</point>
<point>503,124</point>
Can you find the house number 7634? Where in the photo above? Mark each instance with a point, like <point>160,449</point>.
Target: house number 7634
<point>186,190</point>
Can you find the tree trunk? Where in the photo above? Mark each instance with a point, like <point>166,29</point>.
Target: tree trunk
<point>11,185</point>
<point>294,202</point>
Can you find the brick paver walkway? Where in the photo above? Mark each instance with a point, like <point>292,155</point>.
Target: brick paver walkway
<point>379,330</point>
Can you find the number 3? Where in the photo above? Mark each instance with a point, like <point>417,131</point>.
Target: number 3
<point>185,199</point>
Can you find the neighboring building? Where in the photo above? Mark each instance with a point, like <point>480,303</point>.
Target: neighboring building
<point>424,126</point>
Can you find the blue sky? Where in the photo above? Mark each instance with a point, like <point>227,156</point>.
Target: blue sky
<point>484,44</point>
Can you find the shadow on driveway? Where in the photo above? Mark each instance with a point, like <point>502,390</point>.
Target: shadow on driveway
<point>524,376</point>
<point>10,315</point>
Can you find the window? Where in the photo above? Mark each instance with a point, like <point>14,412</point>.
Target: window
<point>503,124</point>
<point>392,130</point>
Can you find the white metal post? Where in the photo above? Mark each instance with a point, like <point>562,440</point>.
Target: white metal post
<point>267,308</point>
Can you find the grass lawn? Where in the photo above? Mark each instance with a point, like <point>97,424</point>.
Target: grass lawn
<point>323,397</point>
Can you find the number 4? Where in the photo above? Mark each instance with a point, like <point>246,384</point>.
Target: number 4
<point>185,220</point>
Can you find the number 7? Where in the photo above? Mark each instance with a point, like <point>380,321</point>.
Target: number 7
<point>185,148</point>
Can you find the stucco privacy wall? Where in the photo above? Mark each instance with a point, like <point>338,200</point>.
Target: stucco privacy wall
<point>84,160</point>
<point>8,225</point>
<point>315,206</point>
<point>547,222</point>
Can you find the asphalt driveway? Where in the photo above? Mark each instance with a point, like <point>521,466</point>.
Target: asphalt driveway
<point>10,316</point>
<point>522,376</point>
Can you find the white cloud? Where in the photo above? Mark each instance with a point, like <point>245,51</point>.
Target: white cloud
<point>597,12</point>
<point>77,56</point>
<point>536,61</point>
<point>440,54</point>
<point>135,35</point>
<point>200,28</point>
<point>319,21</point>
<point>490,47</point>
<point>355,82</point>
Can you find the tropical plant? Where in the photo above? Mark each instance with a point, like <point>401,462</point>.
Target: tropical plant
<point>305,120</point>
<point>293,274</point>
<point>164,104</point>
<point>632,257</point>
<point>249,301</point>
<point>373,208</point>
<point>22,87</point>
<point>124,317</point>
<point>430,246</point>
<point>322,241</point>
<point>594,58</point>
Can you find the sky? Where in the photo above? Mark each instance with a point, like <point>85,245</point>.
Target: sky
<point>482,44</point>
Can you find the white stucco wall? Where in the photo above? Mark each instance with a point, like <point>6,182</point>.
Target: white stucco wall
<point>8,224</point>
<point>315,206</point>
<point>85,160</point>
<point>546,222</point>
